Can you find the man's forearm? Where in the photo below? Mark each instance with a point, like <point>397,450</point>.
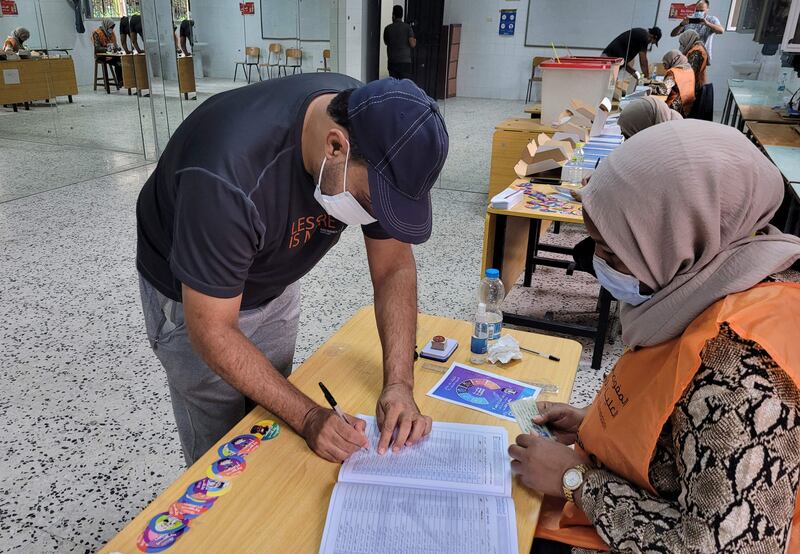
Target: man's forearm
<point>237,360</point>
<point>396,316</point>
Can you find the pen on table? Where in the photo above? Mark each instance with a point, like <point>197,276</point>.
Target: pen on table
<point>548,356</point>
<point>335,406</point>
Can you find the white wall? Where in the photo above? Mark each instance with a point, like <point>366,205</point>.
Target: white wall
<point>494,66</point>
<point>226,32</point>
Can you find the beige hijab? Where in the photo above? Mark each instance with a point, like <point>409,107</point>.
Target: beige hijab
<point>680,204</point>
<point>688,39</point>
<point>643,113</point>
<point>675,60</point>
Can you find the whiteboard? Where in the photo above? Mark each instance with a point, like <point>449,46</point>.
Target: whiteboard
<point>588,24</point>
<point>279,19</point>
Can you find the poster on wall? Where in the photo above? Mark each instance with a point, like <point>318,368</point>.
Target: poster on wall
<point>247,8</point>
<point>508,21</point>
<point>681,11</point>
<point>8,7</point>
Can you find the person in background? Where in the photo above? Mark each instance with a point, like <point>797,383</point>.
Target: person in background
<point>15,42</point>
<point>186,34</point>
<point>124,32</point>
<point>643,113</point>
<point>136,31</point>
<point>706,26</point>
<point>105,42</point>
<point>630,43</point>
<point>695,51</point>
<point>639,115</point>
<point>691,443</point>
<point>399,39</point>
<point>679,81</point>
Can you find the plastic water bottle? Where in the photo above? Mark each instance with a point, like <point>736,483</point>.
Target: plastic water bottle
<point>491,294</point>
<point>479,343</point>
<point>579,170</point>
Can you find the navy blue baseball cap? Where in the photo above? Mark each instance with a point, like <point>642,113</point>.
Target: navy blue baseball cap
<point>402,137</point>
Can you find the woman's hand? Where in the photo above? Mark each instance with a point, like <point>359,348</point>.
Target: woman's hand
<point>541,463</point>
<point>562,419</point>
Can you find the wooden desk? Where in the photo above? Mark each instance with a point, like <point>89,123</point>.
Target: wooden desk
<point>511,243</point>
<point>38,80</point>
<point>775,134</point>
<point>279,503</point>
<point>762,114</point>
<point>186,82</point>
<point>509,139</point>
<point>134,72</point>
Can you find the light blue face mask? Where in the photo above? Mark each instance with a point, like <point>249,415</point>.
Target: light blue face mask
<point>623,287</point>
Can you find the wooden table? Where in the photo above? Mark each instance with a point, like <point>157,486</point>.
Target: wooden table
<point>772,134</point>
<point>186,82</point>
<point>279,503</point>
<point>134,72</point>
<point>511,243</point>
<point>40,79</point>
<point>509,139</point>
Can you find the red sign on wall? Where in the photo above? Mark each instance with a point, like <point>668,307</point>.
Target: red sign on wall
<point>9,7</point>
<point>247,8</point>
<point>681,11</point>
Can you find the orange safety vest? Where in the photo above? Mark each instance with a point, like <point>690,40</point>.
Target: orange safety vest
<point>637,398</point>
<point>684,87</point>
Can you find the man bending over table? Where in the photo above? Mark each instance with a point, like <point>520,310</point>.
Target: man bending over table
<point>254,187</point>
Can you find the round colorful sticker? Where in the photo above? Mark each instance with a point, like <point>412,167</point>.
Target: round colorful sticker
<point>272,433</point>
<point>207,489</point>
<point>262,427</point>
<point>239,446</point>
<point>164,523</point>
<point>225,468</point>
<point>186,510</point>
<point>161,533</point>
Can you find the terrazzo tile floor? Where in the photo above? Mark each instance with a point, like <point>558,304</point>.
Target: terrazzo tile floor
<point>89,436</point>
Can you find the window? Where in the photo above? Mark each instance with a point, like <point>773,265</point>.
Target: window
<point>180,10</point>
<point>98,9</point>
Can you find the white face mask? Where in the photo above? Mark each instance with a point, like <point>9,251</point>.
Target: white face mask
<point>342,206</point>
<point>624,288</point>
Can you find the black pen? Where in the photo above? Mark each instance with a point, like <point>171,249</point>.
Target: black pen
<point>335,405</point>
<point>548,356</point>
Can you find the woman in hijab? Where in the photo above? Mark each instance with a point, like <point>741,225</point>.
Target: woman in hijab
<point>691,444</point>
<point>643,113</point>
<point>15,42</point>
<point>679,81</point>
<point>105,42</point>
<point>695,51</point>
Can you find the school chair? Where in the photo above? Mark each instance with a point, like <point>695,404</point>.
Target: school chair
<point>326,55</point>
<point>534,78</point>
<point>251,53</point>
<point>296,57</point>
<point>273,58</point>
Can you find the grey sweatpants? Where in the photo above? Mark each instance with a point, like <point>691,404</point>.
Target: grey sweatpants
<point>205,406</point>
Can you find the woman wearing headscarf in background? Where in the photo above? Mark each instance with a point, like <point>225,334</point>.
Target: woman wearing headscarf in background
<point>679,80</point>
<point>691,444</point>
<point>105,41</point>
<point>637,116</point>
<point>694,49</point>
<point>15,42</point>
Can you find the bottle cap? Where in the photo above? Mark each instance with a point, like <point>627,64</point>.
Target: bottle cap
<point>492,273</point>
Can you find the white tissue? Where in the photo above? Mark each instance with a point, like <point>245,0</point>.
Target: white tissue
<point>504,350</point>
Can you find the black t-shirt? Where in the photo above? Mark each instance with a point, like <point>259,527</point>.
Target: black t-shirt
<point>230,208</point>
<point>396,37</point>
<point>619,48</point>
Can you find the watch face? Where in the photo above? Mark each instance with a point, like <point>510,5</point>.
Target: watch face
<point>573,479</point>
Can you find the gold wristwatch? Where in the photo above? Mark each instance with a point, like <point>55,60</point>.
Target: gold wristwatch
<point>573,480</point>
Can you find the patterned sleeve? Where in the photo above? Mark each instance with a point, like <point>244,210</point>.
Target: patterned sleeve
<point>734,440</point>
<point>696,61</point>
